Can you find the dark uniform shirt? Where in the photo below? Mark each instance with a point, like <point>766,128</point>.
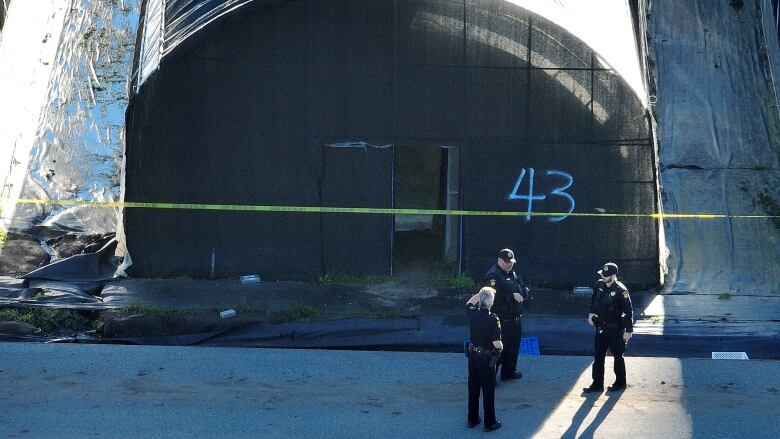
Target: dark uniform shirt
<point>506,284</point>
<point>613,304</point>
<point>485,328</point>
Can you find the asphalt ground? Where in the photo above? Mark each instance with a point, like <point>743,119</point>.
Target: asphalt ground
<point>77,391</point>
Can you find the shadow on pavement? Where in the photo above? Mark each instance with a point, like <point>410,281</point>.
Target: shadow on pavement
<point>579,417</point>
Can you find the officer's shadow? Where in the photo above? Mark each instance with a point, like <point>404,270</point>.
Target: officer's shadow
<point>585,408</point>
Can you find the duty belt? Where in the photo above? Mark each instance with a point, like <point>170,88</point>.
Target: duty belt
<point>603,326</point>
<point>480,350</point>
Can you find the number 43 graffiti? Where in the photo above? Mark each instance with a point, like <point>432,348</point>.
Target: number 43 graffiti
<point>530,197</point>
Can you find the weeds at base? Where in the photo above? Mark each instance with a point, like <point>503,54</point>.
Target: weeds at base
<point>54,321</point>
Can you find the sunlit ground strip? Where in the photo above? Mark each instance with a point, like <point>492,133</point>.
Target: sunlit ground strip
<point>380,211</point>
<point>584,416</point>
<point>576,415</point>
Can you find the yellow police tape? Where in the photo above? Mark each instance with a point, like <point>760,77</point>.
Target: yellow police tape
<point>371,210</point>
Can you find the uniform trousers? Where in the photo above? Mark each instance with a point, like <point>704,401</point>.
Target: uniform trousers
<point>481,377</point>
<point>510,336</point>
<point>611,338</point>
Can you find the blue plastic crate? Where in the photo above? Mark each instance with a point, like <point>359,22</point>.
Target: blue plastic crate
<point>529,346</point>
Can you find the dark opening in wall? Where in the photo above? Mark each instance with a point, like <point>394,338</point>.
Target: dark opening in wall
<point>425,177</point>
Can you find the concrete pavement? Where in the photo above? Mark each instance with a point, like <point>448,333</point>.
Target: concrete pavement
<point>76,391</point>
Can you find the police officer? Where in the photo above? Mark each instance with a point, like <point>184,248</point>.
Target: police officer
<point>612,314</point>
<point>485,341</point>
<point>511,292</point>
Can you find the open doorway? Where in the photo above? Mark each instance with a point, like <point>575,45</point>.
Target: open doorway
<point>426,177</point>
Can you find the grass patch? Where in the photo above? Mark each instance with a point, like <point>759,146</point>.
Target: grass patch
<point>136,308</point>
<point>50,320</point>
<point>656,320</point>
<point>3,235</point>
<point>446,281</point>
<point>301,312</point>
<point>724,296</point>
<point>460,283</point>
<point>348,279</point>
<point>251,310</point>
<point>390,314</point>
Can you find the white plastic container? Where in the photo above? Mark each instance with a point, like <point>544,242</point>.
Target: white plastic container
<point>582,291</point>
<point>251,279</point>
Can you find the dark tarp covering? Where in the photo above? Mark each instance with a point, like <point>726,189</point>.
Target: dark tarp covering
<point>51,294</point>
<point>719,143</point>
<point>346,333</point>
<point>239,114</point>
<point>361,177</point>
<point>565,250</point>
<point>73,282</point>
<point>87,267</point>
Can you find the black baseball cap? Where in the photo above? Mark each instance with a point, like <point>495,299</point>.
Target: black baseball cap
<point>609,269</point>
<point>507,255</point>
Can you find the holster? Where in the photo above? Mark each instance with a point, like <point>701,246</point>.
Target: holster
<point>495,357</point>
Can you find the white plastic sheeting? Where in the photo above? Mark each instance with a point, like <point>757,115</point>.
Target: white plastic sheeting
<point>27,58</point>
<point>168,23</point>
<point>719,142</point>
<point>152,40</point>
<point>605,26</point>
<point>187,17</point>
<point>63,83</point>
<point>3,8</point>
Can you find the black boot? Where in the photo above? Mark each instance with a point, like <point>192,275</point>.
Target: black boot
<point>593,388</point>
<point>495,426</point>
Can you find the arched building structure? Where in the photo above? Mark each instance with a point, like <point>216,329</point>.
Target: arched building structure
<point>477,107</point>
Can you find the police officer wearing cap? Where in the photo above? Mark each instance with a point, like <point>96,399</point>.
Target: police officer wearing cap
<point>485,342</point>
<point>612,314</point>
<point>511,292</point>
